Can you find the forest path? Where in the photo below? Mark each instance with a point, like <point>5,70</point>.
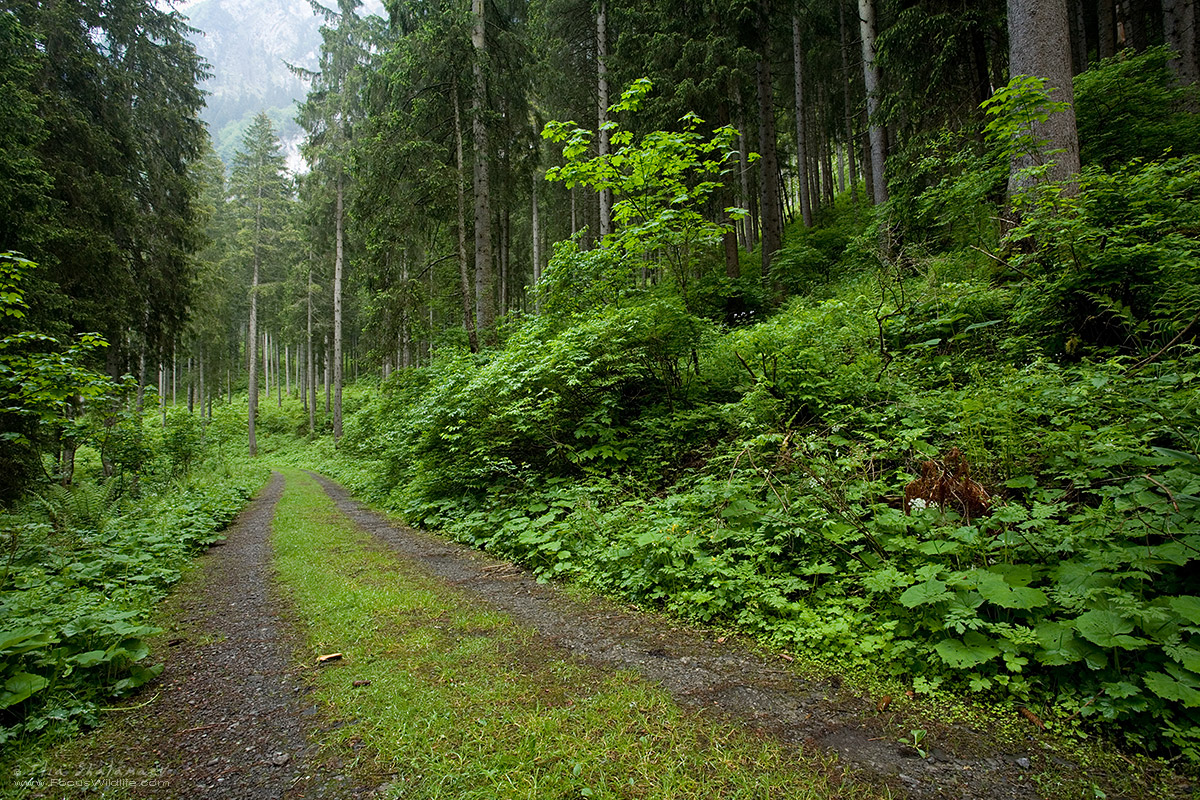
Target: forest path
<point>232,717</point>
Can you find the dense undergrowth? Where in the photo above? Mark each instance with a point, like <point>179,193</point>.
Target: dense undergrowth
<point>85,565</point>
<point>782,476</point>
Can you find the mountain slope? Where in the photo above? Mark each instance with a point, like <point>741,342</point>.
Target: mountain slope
<point>249,44</point>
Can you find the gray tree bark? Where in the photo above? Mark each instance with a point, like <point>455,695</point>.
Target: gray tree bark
<point>801,141</point>
<point>602,137</point>
<point>875,131</point>
<point>463,270</point>
<point>1039,37</point>
<point>485,289</point>
<point>1106,44</point>
<point>310,374</point>
<point>847,110</point>
<point>1179,32</point>
<point>339,255</point>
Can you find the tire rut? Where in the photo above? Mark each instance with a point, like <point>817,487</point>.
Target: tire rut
<point>230,717</point>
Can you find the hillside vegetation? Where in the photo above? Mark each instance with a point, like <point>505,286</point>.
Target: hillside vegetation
<point>964,456</point>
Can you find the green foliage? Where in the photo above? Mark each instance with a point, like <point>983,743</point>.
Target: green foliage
<point>1116,264</point>
<point>1013,111</point>
<point>660,183</point>
<point>83,571</point>
<point>1129,106</point>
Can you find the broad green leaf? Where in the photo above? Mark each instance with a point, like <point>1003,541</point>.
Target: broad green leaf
<point>21,687</point>
<point>90,658</point>
<point>931,591</point>
<point>23,640</point>
<point>1188,607</point>
<point>1107,629</point>
<point>971,651</point>
<point>1168,688</point>
<point>1059,644</point>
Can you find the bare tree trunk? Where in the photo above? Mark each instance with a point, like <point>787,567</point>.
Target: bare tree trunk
<point>328,370</point>
<point>485,289</point>
<point>252,412</point>
<point>536,231</point>
<point>201,382</point>
<point>602,137</point>
<point>338,263</point>
<point>1039,38</point>
<point>749,235</point>
<point>768,173</point>
<point>279,364</point>
<point>162,394</point>
<point>801,140</point>
<point>848,111</point>
<point>866,18</point>
<point>311,376</point>
<point>1179,32</point>
<point>141,385</point>
<point>463,270</point>
<point>503,224</point>
<point>1106,45</point>
<point>827,173</point>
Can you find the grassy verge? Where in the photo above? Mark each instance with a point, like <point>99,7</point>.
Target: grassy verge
<point>452,700</point>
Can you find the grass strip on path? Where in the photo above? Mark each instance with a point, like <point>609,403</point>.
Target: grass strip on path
<point>445,698</point>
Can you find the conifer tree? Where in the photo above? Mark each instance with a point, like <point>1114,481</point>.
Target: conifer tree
<point>261,196</point>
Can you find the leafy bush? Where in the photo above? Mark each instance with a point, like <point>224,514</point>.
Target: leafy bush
<point>1130,107</point>
<point>1116,265</point>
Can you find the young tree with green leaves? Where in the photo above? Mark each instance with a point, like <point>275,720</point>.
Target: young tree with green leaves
<point>660,183</point>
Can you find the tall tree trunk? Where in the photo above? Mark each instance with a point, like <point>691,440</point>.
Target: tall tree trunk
<point>1039,37</point>
<point>602,136</point>
<point>768,173</point>
<point>485,289</point>
<point>866,18</point>
<point>847,110</point>
<point>252,385</point>
<point>1179,32</point>
<point>1106,14</point>
<point>202,395</point>
<point>1079,41</point>
<point>278,382</point>
<point>827,172</point>
<point>801,141</point>
<point>141,385</point>
<point>338,264</point>
<point>311,375</point>
<point>536,231</point>
<point>503,223</point>
<point>463,270</point>
<point>749,234</point>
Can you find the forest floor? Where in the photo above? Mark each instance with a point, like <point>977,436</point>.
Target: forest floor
<point>235,713</point>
